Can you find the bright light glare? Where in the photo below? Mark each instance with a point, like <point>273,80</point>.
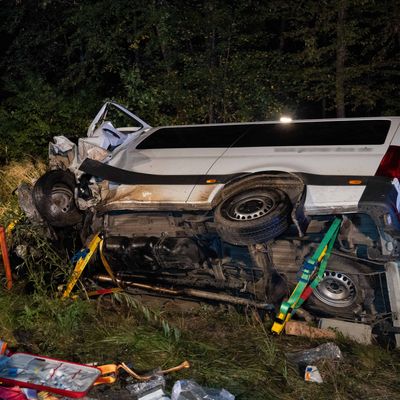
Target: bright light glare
<point>285,120</point>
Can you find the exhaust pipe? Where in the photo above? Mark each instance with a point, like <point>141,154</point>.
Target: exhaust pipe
<point>199,294</point>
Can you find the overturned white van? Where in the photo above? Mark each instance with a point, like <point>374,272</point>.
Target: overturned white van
<point>235,208</point>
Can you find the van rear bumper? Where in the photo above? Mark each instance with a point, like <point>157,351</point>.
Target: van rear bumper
<point>380,200</point>
<point>376,196</point>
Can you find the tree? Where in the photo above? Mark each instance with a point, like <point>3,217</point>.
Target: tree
<point>177,62</point>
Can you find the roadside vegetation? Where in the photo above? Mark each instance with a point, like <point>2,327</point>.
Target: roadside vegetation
<point>227,348</point>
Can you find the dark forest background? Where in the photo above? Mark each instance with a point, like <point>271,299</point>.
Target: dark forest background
<point>179,62</point>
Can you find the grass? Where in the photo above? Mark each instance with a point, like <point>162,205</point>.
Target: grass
<point>10,177</point>
<point>226,348</point>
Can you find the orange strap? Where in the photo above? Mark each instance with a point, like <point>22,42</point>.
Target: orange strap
<point>109,374</point>
<point>104,291</point>
<point>3,347</point>
<point>6,260</point>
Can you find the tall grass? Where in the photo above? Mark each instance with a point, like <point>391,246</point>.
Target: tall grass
<point>11,176</point>
<point>39,260</point>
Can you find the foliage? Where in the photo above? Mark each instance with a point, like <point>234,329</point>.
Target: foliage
<point>11,176</point>
<point>32,114</point>
<point>175,62</point>
<point>225,349</point>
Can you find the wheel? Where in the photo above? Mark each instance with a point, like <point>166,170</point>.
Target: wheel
<point>252,216</point>
<point>344,291</point>
<point>53,195</point>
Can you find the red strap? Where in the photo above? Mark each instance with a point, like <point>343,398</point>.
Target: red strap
<point>306,293</point>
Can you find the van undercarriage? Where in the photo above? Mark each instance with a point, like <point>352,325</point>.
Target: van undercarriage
<point>183,250</point>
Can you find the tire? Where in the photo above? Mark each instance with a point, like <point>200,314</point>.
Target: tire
<point>252,216</point>
<point>53,195</point>
<point>344,291</point>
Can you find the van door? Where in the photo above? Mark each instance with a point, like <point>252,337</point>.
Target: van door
<point>168,162</point>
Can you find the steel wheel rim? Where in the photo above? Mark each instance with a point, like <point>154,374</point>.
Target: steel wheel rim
<point>336,290</point>
<point>250,208</point>
<point>61,198</point>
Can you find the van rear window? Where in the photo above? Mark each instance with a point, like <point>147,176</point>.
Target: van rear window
<point>331,133</point>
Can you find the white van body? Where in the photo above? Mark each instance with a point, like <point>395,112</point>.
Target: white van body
<point>145,176</point>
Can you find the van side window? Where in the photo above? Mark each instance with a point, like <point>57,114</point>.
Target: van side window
<point>193,137</point>
<point>337,133</point>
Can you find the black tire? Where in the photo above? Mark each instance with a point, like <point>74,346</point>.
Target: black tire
<point>345,290</point>
<point>53,195</point>
<point>252,216</point>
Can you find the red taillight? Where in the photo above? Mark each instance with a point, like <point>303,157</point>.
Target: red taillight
<point>390,164</point>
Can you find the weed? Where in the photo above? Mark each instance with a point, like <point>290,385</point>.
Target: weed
<point>225,348</point>
<point>150,315</point>
<point>11,176</point>
<point>39,260</point>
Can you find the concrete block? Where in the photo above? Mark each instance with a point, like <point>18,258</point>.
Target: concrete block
<point>360,333</point>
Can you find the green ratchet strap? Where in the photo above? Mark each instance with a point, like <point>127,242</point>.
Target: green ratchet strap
<point>315,267</point>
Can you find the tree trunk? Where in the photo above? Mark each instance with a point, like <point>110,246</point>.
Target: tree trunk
<point>340,59</point>
<point>161,38</point>
<point>211,116</point>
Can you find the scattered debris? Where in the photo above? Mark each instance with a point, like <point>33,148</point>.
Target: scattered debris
<point>190,390</point>
<point>154,386</point>
<point>326,351</point>
<point>32,394</point>
<point>40,377</point>
<point>312,374</point>
<point>43,373</point>
<point>360,333</point>
<point>156,395</point>
<point>305,315</point>
<point>184,365</point>
<point>297,328</point>
<point>11,393</point>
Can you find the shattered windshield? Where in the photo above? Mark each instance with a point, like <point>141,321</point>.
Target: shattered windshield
<point>112,126</point>
<point>119,120</point>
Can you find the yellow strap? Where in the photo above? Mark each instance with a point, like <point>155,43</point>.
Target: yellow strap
<point>11,226</point>
<point>80,265</point>
<point>277,327</point>
<point>105,380</point>
<point>46,396</point>
<point>105,263</point>
<point>323,253</point>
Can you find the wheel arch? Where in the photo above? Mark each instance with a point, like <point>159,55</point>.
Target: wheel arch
<point>291,183</point>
